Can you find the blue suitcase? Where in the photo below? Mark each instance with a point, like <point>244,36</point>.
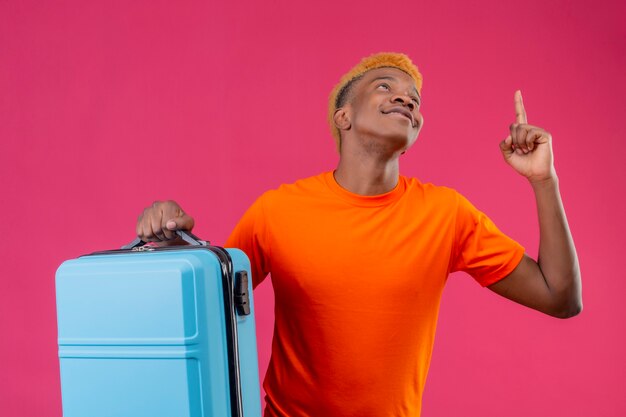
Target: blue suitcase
<point>151,332</point>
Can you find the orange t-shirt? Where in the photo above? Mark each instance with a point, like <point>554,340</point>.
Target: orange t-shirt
<point>357,283</point>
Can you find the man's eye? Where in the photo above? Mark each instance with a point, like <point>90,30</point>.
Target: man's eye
<point>416,101</point>
<point>383,87</point>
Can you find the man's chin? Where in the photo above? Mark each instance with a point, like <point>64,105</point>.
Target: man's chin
<point>389,141</point>
<point>401,142</point>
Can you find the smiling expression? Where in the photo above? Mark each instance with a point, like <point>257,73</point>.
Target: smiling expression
<point>385,107</point>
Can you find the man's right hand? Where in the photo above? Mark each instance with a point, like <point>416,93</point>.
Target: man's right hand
<point>159,222</point>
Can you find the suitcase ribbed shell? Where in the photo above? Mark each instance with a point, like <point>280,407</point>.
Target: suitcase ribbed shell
<point>146,334</point>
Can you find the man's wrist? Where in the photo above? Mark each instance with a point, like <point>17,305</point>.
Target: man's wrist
<point>545,184</point>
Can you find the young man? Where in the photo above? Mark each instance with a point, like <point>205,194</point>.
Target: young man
<point>359,256</point>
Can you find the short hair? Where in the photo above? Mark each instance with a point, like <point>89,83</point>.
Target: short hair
<point>345,92</point>
<point>341,92</point>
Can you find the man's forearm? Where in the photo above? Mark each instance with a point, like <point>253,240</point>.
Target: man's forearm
<point>557,255</point>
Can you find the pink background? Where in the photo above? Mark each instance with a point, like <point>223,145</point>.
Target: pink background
<point>107,106</point>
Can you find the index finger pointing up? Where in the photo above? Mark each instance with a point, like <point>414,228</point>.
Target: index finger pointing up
<point>520,113</point>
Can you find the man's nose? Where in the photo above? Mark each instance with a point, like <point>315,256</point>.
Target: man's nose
<point>404,100</point>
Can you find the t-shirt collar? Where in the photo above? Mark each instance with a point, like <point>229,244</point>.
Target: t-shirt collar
<point>366,200</point>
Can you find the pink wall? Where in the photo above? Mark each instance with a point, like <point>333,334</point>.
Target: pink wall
<point>106,106</point>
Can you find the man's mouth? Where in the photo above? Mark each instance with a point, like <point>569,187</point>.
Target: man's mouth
<point>402,111</point>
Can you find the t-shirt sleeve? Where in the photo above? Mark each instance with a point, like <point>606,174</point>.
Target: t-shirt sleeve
<point>480,248</point>
<point>250,235</point>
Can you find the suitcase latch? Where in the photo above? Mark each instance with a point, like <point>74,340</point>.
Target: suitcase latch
<point>242,298</point>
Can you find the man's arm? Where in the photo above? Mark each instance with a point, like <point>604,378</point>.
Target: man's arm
<point>552,284</point>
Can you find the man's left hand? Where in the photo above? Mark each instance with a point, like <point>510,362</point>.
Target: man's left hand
<point>528,149</point>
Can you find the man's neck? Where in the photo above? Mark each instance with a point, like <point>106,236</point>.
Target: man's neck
<point>367,175</point>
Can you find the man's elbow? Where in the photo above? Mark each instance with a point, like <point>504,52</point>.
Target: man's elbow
<point>570,311</point>
<point>569,307</point>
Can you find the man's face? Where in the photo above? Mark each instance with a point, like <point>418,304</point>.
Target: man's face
<point>384,109</point>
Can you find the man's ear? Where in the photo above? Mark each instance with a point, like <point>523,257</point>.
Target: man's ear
<point>342,118</point>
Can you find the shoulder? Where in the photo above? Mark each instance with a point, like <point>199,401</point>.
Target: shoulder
<point>312,186</point>
<point>307,185</point>
<point>438,194</point>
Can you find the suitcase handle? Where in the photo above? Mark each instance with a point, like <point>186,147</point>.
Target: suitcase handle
<point>185,235</point>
